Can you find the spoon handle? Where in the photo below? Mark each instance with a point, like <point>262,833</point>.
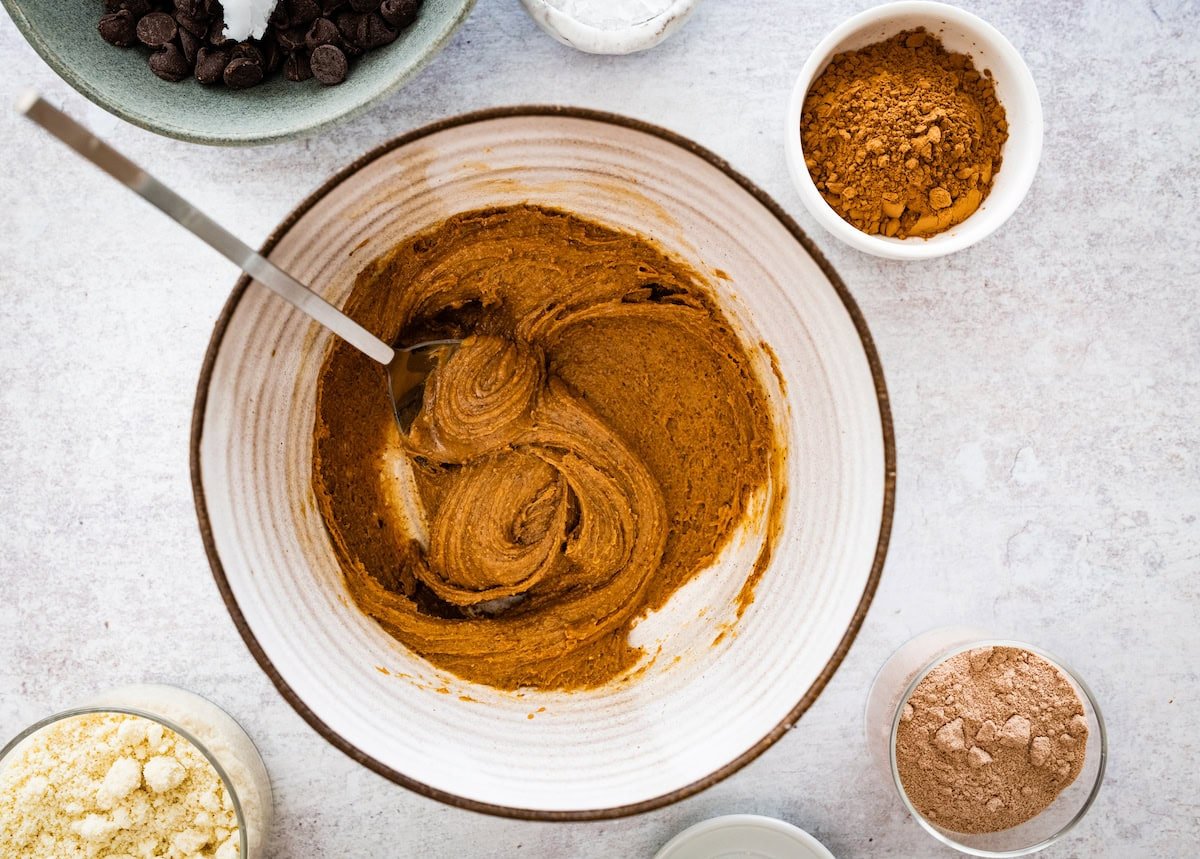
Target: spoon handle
<point>133,177</point>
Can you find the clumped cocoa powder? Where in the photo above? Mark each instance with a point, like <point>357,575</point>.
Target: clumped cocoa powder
<point>902,137</point>
<point>989,738</point>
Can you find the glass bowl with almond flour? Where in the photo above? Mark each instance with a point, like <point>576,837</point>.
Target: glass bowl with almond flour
<point>148,770</point>
<point>995,747</point>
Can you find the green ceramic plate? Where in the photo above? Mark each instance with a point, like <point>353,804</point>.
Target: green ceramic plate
<point>64,33</point>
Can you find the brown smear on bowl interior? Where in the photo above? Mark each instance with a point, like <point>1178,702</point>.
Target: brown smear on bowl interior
<point>592,446</point>
<point>774,515</point>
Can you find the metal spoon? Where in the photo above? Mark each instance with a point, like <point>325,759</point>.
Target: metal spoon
<point>407,368</point>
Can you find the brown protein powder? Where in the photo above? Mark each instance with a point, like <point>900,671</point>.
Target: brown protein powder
<point>902,137</point>
<point>989,738</point>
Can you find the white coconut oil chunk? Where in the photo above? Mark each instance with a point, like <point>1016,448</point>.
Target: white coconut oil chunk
<point>610,26</point>
<point>247,19</point>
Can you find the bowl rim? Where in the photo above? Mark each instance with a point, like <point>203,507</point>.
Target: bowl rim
<point>264,661</point>
<point>816,849</point>
<point>34,38</point>
<point>991,220</point>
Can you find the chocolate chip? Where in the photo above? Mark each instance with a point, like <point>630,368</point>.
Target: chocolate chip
<point>291,39</point>
<point>347,24</point>
<point>188,37</point>
<point>210,64</point>
<point>169,63</point>
<point>296,67</point>
<point>197,25</point>
<point>373,32</point>
<point>249,51</point>
<point>216,32</point>
<point>137,8</point>
<point>189,44</point>
<point>328,65</point>
<point>322,32</point>
<point>272,53</point>
<point>399,13</point>
<point>156,29</point>
<point>304,12</point>
<point>243,73</point>
<point>118,28</point>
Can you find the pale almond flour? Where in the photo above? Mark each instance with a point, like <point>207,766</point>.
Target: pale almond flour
<point>115,786</point>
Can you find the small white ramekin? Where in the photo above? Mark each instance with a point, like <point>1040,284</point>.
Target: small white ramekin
<point>959,31</point>
<point>638,35</point>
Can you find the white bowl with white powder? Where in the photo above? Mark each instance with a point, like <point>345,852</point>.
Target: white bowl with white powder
<point>610,26</point>
<point>141,770</point>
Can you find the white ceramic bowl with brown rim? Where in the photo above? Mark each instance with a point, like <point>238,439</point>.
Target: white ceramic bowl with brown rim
<point>961,32</point>
<point>700,710</point>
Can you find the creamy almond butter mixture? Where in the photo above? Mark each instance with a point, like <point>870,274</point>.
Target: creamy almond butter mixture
<point>590,448</point>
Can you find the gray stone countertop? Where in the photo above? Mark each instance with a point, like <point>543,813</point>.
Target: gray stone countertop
<point>1045,386</point>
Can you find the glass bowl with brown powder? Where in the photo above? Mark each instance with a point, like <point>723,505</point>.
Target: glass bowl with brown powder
<point>914,130</point>
<point>995,747</point>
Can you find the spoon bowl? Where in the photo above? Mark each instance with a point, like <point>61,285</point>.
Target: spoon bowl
<point>407,373</point>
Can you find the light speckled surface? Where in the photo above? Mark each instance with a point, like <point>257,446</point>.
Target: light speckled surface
<point>1044,385</point>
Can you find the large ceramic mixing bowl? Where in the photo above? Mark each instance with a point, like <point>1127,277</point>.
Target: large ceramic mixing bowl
<point>714,693</point>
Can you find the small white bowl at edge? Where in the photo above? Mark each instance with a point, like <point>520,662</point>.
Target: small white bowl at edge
<point>743,835</point>
<point>591,38</point>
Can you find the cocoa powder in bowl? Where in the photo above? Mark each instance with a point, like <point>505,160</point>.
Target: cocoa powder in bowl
<point>989,738</point>
<point>903,138</point>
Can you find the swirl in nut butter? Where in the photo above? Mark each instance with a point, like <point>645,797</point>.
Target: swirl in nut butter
<point>593,445</point>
